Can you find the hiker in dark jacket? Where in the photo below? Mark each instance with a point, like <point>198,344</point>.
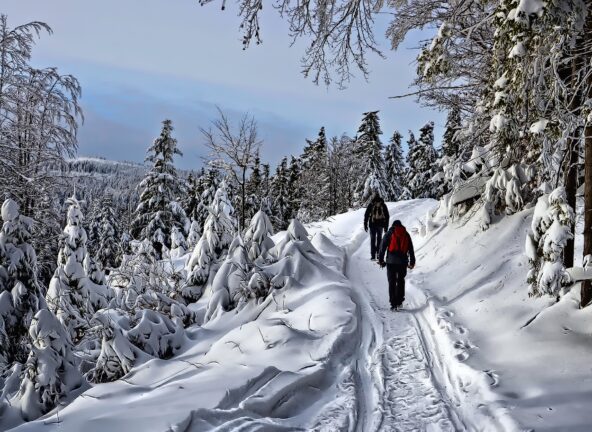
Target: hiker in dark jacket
<point>398,248</point>
<point>377,218</point>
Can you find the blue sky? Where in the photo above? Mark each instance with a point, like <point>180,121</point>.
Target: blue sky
<point>140,61</point>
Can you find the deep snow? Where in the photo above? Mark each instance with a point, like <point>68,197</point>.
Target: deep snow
<point>471,350</point>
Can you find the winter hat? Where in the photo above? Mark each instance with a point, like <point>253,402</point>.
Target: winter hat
<point>397,223</point>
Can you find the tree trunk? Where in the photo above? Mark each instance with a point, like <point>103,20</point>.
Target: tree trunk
<point>571,186</point>
<point>243,203</point>
<point>586,291</point>
<point>571,170</point>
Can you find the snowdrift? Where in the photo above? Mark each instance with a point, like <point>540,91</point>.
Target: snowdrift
<point>271,365</point>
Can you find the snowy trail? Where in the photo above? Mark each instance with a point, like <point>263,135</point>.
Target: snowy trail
<point>409,372</point>
<point>397,379</point>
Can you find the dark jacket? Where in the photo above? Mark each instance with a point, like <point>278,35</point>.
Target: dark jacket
<point>368,215</point>
<point>396,257</point>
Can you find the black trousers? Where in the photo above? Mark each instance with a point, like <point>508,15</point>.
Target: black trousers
<point>375,239</point>
<point>396,278</point>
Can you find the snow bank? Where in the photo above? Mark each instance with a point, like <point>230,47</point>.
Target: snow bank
<point>271,365</point>
<point>534,353</point>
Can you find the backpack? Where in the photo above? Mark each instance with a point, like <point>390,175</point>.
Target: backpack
<point>378,212</point>
<point>399,240</point>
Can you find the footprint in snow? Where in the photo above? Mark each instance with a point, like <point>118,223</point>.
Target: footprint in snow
<point>493,376</point>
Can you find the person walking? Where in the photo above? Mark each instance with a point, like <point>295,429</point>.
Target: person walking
<point>398,248</point>
<point>376,218</point>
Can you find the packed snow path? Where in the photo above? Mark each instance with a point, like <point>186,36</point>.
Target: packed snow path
<point>405,395</point>
<point>407,374</point>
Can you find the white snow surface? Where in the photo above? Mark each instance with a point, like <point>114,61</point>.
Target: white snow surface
<point>470,351</point>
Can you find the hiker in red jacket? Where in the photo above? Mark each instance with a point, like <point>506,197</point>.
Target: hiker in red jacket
<point>377,218</point>
<point>398,247</point>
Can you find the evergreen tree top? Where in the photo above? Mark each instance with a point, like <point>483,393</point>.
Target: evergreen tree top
<point>370,126</point>
<point>163,149</point>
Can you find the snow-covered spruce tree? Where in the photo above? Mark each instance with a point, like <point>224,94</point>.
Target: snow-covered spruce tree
<point>71,296</point>
<point>210,181</point>
<point>240,279</point>
<point>294,188</point>
<point>219,229</point>
<point>194,235</point>
<point>421,159</point>
<point>450,141</point>
<point>344,169</point>
<point>369,150</point>
<point>281,209</point>
<point>92,226</point>
<point>226,285</point>
<point>314,180</point>
<point>107,248</point>
<point>257,239</point>
<point>178,243</point>
<point>159,209</point>
<point>193,197</point>
<point>50,373</point>
<point>19,289</point>
<point>550,230</point>
<point>395,168</point>
<point>254,189</point>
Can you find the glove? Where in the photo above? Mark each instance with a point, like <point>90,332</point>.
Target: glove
<point>411,266</point>
<point>382,264</point>
<point>365,228</point>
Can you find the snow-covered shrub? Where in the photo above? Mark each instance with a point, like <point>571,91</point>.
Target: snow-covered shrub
<point>50,372</point>
<point>550,231</point>
<point>257,238</point>
<point>194,235</point>
<point>19,289</point>
<point>507,190</point>
<point>295,233</point>
<point>164,304</point>
<point>178,243</point>
<point>99,292</point>
<point>219,229</point>
<point>143,282</point>
<point>118,354</point>
<point>233,273</point>
<point>238,281</point>
<point>155,334</point>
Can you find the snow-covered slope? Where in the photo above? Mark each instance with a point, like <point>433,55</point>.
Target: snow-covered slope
<point>470,351</point>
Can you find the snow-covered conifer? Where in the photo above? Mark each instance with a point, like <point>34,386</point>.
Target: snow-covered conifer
<point>19,289</point>
<point>257,238</point>
<point>395,167</point>
<point>314,180</point>
<point>373,178</point>
<point>450,140</point>
<point>68,295</point>
<point>159,209</point>
<point>421,160</point>
<point>550,231</point>
<point>50,372</point>
<point>107,248</point>
<point>281,208</point>
<point>219,229</point>
<point>194,235</point>
<point>178,243</point>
